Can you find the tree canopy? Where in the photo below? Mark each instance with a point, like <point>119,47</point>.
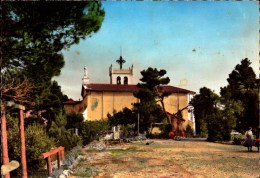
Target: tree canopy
<point>243,86</point>
<point>204,105</point>
<point>34,33</point>
<point>34,30</point>
<point>149,94</point>
<point>235,108</point>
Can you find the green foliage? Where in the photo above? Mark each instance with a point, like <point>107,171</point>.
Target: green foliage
<point>243,88</point>
<point>220,125</point>
<point>34,32</point>
<point>12,124</point>
<point>62,136</point>
<point>152,78</point>
<point>151,81</point>
<point>74,120</point>
<point>149,112</point>
<point>215,116</point>
<point>189,132</point>
<point>33,37</point>
<point>51,100</point>
<point>36,139</point>
<point>149,94</point>
<point>37,142</point>
<point>124,117</point>
<point>165,129</point>
<point>215,128</point>
<point>127,130</point>
<point>91,130</point>
<point>127,119</point>
<point>204,130</point>
<point>204,105</point>
<point>237,139</point>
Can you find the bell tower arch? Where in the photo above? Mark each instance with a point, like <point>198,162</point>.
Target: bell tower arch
<point>121,76</point>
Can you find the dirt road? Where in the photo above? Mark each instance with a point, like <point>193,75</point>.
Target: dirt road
<point>167,159</point>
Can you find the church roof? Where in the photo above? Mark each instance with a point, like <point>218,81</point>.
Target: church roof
<point>172,89</point>
<point>71,101</point>
<point>132,88</point>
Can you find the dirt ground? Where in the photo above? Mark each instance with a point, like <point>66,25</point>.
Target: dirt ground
<point>167,159</point>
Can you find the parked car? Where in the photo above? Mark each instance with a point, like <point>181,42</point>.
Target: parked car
<point>234,132</point>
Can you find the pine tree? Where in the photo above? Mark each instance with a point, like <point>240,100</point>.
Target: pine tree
<point>243,87</point>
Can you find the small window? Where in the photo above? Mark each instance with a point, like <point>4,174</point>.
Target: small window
<point>125,80</point>
<point>118,80</point>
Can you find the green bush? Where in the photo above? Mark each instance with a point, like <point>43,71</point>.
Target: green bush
<point>189,132</point>
<point>165,129</point>
<point>127,130</point>
<point>237,139</point>
<point>62,136</point>
<point>37,142</point>
<point>91,130</point>
<point>36,139</point>
<point>74,120</point>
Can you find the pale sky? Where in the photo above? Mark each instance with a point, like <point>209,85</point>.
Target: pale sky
<point>200,42</point>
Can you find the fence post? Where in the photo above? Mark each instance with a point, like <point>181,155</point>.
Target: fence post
<point>22,138</point>
<point>4,138</point>
<point>49,165</point>
<point>58,159</point>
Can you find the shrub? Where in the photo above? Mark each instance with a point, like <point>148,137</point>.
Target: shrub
<point>189,132</point>
<point>127,130</point>
<point>165,129</point>
<point>74,120</point>
<point>36,139</point>
<point>237,139</point>
<point>91,130</point>
<point>37,142</point>
<point>62,136</point>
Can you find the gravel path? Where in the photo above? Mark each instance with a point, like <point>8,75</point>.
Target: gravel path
<point>168,158</point>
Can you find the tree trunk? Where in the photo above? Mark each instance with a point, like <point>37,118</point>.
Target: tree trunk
<point>169,119</point>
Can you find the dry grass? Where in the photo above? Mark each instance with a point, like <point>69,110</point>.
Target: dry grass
<point>167,158</point>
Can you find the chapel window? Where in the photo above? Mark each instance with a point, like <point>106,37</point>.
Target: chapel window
<point>118,80</point>
<point>125,80</point>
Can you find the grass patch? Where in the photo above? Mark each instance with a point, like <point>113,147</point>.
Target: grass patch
<point>224,147</point>
<point>117,152</point>
<point>82,171</point>
<point>193,154</point>
<point>121,152</point>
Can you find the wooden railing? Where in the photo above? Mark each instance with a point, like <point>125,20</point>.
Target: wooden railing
<point>59,152</point>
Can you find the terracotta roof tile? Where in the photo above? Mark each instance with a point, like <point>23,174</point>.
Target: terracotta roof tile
<point>132,88</point>
<point>71,102</point>
<point>169,88</point>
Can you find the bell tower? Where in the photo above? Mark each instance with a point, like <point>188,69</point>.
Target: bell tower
<point>121,76</point>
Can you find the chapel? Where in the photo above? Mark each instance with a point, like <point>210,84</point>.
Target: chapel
<point>99,99</point>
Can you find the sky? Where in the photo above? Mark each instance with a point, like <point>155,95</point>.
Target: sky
<point>197,43</point>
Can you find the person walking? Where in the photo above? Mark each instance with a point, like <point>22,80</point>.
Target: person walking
<point>249,141</point>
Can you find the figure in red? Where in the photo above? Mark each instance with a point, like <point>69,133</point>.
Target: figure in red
<point>171,134</point>
<point>182,133</point>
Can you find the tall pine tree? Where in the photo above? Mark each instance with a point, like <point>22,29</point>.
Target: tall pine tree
<point>243,86</point>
